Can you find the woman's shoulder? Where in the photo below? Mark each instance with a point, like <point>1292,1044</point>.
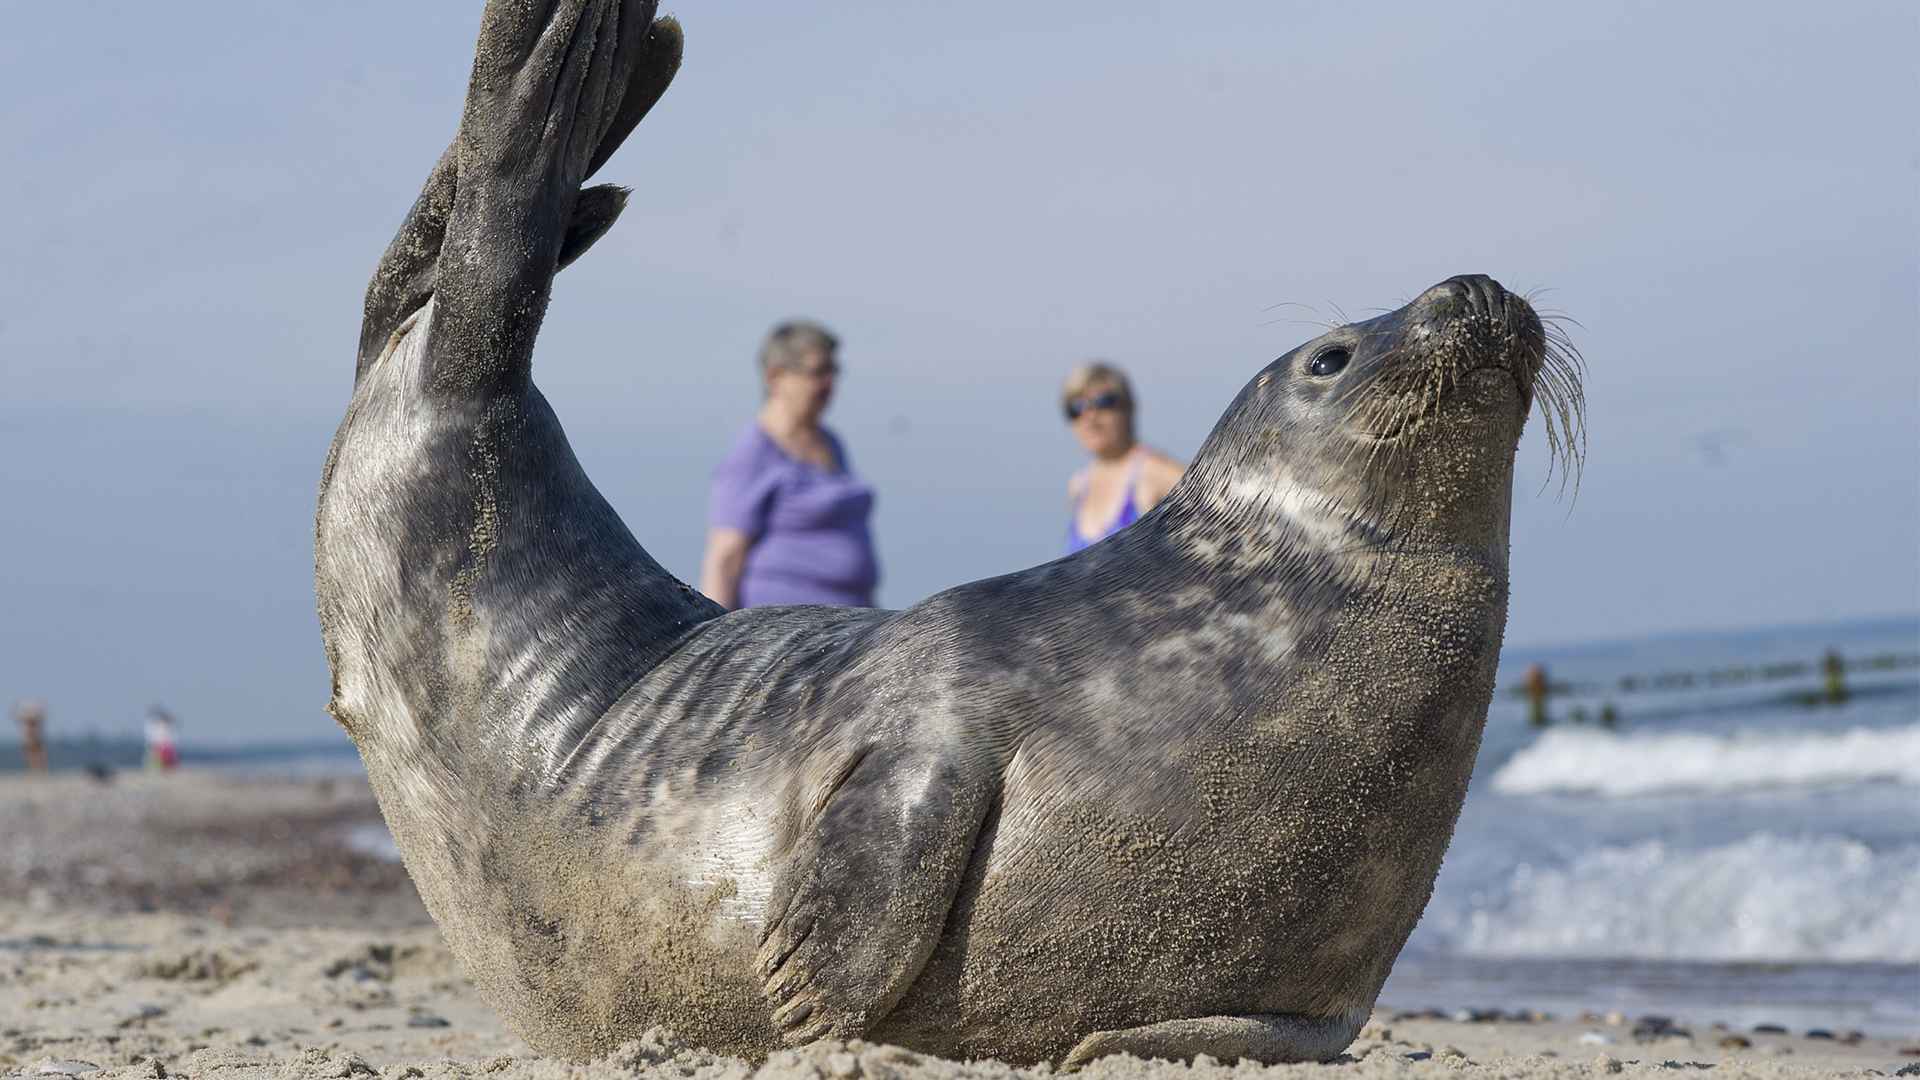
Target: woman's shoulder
<point>1159,463</point>
<point>752,451</point>
<point>1158,473</point>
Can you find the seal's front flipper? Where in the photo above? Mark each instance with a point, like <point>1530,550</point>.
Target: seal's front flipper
<point>861,901</point>
<point>1272,1039</point>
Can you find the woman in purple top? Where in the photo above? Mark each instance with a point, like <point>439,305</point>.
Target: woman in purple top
<point>1126,477</point>
<point>787,520</point>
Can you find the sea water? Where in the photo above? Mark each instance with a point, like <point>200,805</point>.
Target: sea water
<point>1731,849</point>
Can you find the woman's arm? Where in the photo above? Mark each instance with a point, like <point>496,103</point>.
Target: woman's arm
<point>720,567</point>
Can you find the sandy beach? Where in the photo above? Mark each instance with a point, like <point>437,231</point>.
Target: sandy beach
<point>200,924</point>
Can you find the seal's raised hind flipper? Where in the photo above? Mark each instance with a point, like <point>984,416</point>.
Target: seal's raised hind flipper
<point>403,282</point>
<point>554,93</point>
<point>864,893</point>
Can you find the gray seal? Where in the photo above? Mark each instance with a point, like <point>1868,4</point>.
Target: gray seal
<point>1185,792</point>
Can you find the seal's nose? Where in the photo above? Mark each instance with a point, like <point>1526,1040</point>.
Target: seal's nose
<point>1478,297</point>
<point>1468,294</point>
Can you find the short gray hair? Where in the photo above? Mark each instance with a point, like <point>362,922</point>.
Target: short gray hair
<point>794,339</point>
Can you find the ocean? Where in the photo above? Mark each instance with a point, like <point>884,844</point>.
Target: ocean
<point>1732,848</point>
<point>1728,850</point>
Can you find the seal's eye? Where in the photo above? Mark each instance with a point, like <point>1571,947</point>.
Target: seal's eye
<point>1329,362</point>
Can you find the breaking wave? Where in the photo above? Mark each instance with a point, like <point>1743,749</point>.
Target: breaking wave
<point>1762,898</point>
<point>1605,763</point>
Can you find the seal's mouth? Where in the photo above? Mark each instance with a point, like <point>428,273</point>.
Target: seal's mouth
<point>1390,416</point>
<point>1397,425</point>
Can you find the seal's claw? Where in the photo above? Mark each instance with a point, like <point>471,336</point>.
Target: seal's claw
<point>780,946</point>
<point>1097,1045</point>
<point>819,1029</point>
<point>793,1013</point>
<point>783,987</point>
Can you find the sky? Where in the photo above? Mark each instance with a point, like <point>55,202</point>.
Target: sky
<point>1725,196</point>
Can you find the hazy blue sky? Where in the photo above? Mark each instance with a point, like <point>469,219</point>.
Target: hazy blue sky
<point>1724,195</point>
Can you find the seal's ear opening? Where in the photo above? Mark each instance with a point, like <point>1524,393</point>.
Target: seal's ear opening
<point>593,214</point>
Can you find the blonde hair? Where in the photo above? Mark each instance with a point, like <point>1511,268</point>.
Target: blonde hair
<point>1094,374</point>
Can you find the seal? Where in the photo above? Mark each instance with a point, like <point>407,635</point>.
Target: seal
<point>1184,792</point>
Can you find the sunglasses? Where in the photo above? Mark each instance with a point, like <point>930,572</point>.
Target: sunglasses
<point>1108,401</point>
<point>821,371</point>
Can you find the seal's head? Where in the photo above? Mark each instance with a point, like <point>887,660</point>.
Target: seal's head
<point>1400,428</point>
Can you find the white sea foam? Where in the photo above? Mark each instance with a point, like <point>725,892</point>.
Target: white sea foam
<point>1606,763</point>
<point>1764,897</point>
<point>373,839</point>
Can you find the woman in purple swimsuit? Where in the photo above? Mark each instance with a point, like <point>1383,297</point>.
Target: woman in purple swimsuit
<point>787,520</point>
<point>1126,477</point>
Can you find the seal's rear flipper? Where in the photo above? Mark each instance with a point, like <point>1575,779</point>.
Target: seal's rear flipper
<point>403,282</point>
<point>864,894</point>
<point>653,69</point>
<point>556,88</point>
<point>599,207</point>
<point>1272,1039</point>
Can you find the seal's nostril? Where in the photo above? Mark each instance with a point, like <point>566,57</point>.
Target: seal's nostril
<point>1485,297</point>
<point>1468,295</point>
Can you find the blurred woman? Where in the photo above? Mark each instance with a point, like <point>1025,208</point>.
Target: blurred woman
<point>1125,477</point>
<point>163,752</point>
<point>787,517</point>
<point>32,716</point>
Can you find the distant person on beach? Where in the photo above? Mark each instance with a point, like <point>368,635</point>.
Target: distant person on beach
<point>163,752</point>
<point>1126,477</point>
<point>787,517</point>
<point>32,717</point>
<point>1833,671</point>
<point>1536,686</point>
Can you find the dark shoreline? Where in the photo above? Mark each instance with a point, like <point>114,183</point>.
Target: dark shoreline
<point>123,753</point>
<point>243,850</point>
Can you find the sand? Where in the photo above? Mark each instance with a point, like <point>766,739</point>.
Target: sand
<point>201,925</point>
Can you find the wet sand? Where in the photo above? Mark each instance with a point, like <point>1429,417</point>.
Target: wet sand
<point>201,925</point>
